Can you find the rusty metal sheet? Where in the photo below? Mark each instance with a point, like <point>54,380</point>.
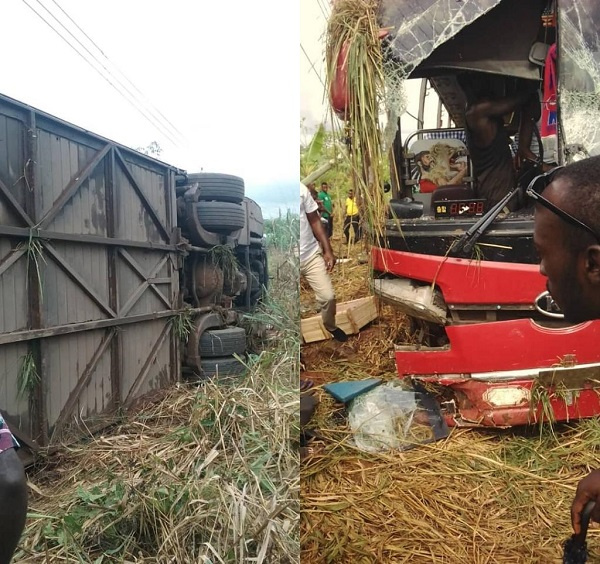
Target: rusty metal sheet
<point>75,294</point>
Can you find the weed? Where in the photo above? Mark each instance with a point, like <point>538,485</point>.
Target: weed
<point>183,323</point>
<point>28,377</point>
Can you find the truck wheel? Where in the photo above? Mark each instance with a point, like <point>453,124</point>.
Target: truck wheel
<point>221,217</point>
<point>222,342</point>
<point>219,187</point>
<point>222,366</point>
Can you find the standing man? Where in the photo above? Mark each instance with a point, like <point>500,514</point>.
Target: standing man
<point>13,494</point>
<point>315,265</point>
<point>487,138</point>
<point>352,219</point>
<point>567,238</point>
<point>327,213</point>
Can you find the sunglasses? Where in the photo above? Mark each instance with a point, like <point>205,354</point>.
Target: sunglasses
<point>534,191</point>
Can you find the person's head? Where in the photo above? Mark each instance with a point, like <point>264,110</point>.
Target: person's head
<point>351,194</point>
<point>478,86</point>
<point>570,253</point>
<point>324,186</point>
<point>313,191</point>
<point>424,160</point>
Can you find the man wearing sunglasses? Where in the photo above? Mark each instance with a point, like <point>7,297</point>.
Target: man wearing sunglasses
<point>567,238</point>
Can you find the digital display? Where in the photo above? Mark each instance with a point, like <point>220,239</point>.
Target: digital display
<point>459,208</point>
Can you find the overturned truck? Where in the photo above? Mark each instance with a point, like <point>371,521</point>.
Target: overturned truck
<point>107,257</point>
<point>488,339</point>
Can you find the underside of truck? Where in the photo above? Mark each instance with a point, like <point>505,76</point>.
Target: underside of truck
<point>487,339</point>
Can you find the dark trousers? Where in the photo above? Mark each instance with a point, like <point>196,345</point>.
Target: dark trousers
<point>330,226</point>
<point>352,222</point>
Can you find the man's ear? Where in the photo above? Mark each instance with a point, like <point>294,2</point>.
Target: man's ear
<point>592,264</point>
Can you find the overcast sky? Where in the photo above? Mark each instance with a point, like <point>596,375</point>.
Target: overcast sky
<point>224,74</point>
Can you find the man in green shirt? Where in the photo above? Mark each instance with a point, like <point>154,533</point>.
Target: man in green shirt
<point>328,205</point>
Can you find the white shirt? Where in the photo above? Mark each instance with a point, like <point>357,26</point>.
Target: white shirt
<point>308,243</point>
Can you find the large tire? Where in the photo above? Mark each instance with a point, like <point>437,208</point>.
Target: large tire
<point>221,217</point>
<point>222,366</point>
<point>218,187</point>
<point>222,342</point>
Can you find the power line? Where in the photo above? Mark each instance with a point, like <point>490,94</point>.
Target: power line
<point>172,126</point>
<point>151,118</point>
<point>153,123</point>
<point>322,9</point>
<point>312,65</point>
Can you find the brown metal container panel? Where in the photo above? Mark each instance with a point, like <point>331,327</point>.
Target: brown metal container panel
<point>61,163</point>
<point>107,199</point>
<point>13,294</point>
<point>146,362</point>
<point>68,300</point>
<point>11,360</point>
<point>135,221</point>
<point>152,183</point>
<point>78,372</point>
<point>136,267</point>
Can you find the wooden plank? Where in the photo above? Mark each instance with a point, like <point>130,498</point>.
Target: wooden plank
<point>351,317</point>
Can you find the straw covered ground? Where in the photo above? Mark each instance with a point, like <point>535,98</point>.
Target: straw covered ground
<point>476,497</point>
<point>201,475</point>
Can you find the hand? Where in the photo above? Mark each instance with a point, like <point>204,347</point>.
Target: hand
<point>588,489</point>
<point>523,155</point>
<point>330,260</point>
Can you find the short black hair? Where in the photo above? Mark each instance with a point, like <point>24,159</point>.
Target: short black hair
<point>582,197</point>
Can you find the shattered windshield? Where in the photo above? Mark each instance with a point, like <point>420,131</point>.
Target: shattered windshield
<point>416,29</point>
<point>579,78</point>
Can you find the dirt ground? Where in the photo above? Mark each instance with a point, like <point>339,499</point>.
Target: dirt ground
<point>476,497</point>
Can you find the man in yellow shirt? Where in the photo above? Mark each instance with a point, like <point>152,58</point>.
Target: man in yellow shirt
<point>352,219</point>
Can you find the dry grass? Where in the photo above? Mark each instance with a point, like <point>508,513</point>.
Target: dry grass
<point>476,497</point>
<point>352,35</point>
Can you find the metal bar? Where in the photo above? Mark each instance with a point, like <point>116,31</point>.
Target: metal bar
<point>147,284</point>
<point>4,191</point>
<point>13,257</point>
<point>121,161</point>
<point>421,115</point>
<point>24,233</point>
<point>149,362</point>
<point>78,279</point>
<point>84,380</point>
<point>73,186</point>
<point>116,365</point>
<point>58,330</point>
<point>38,412</point>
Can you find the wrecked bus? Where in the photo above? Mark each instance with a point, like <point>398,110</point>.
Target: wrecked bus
<point>487,337</point>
